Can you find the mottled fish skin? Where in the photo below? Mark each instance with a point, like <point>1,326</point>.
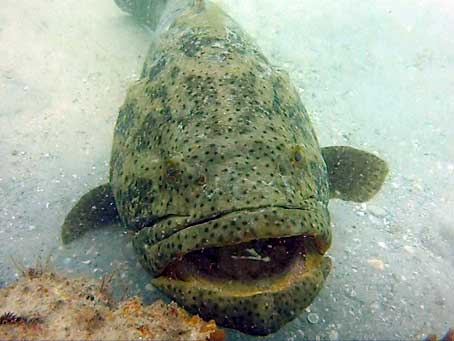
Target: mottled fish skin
<point>213,147</point>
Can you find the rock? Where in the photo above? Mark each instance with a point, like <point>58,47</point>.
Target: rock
<point>376,211</point>
<point>377,264</point>
<point>333,335</point>
<point>409,249</point>
<point>47,306</point>
<point>382,245</point>
<point>313,318</point>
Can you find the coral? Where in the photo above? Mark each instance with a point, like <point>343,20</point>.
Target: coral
<point>449,336</point>
<point>11,318</point>
<point>43,305</point>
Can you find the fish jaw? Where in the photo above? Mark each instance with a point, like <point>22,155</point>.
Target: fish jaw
<point>254,307</point>
<point>255,292</point>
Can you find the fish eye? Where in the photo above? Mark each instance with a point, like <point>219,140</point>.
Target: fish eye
<point>298,156</point>
<point>171,172</point>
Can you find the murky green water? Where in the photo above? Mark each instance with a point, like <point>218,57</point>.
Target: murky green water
<point>376,75</point>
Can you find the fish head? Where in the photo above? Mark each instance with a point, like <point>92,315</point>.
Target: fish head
<point>247,247</point>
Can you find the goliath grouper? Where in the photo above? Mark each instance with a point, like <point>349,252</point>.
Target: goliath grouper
<point>217,170</point>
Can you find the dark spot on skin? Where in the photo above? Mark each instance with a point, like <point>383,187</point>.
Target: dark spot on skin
<point>166,112</point>
<point>195,43</point>
<point>201,92</point>
<point>140,190</point>
<point>125,117</point>
<point>190,45</point>
<point>157,68</point>
<point>277,89</point>
<point>144,70</point>
<point>174,73</point>
<point>157,92</point>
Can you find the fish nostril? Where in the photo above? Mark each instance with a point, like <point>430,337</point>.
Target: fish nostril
<point>202,180</point>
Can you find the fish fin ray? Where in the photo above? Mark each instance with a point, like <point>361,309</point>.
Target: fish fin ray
<point>354,175</point>
<point>93,210</point>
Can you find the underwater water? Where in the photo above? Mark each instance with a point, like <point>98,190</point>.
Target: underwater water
<point>376,75</point>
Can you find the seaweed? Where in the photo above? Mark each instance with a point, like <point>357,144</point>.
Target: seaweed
<point>106,282</point>
<point>41,267</point>
<point>11,318</point>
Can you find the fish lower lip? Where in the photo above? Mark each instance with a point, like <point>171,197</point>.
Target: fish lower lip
<point>262,304</point>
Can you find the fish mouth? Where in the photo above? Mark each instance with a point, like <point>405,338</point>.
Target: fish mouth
<point>255,279</point>
<point>245,262</point>
<point>256,292</point>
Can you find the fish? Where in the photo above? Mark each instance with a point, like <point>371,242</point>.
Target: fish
<point>218,173</point>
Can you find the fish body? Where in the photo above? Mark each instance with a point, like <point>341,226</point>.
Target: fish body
<point>217,169</point>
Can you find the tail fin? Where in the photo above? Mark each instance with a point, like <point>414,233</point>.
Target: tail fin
<point>147,11</point>
<point>128,6</point>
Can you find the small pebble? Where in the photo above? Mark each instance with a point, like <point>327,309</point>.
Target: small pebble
<point>376,211</point>
<point>382,245</point>
<point>149,287</point>
<point>409,249</point>
<point>377,264</point>
<point>333,335</point>
<point>86,262</point>
<point>313,318</point>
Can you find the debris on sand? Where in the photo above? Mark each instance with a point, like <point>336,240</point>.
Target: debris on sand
<point>449,336</point>
<point>376,263</point>
<point>46,306</point>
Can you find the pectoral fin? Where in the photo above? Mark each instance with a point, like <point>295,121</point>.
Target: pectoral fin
<point>95,209</point>
<point>354,175</point>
